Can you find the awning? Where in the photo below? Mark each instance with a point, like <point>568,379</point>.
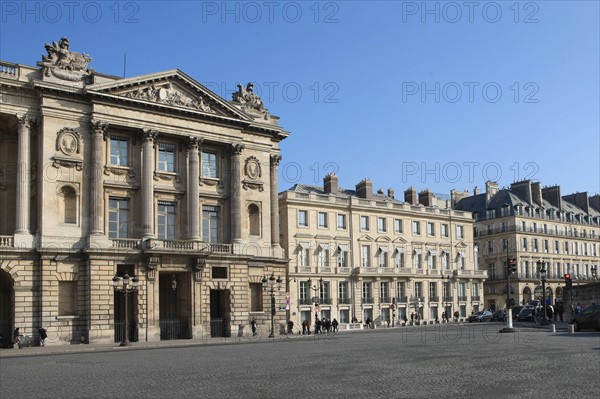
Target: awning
<point>323,246</point>
<point>342,248</point>
<point>417,252</point>
<point>432,252</point>
<point>399,250</point>
<point>383,248</point>
<point>304,245</point>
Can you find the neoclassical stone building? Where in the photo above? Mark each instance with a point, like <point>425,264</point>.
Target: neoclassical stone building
<point>153,176</point>
<point>355,253</point>
<point>533,224</point>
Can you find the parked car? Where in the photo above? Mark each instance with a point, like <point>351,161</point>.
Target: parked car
<point>499,315</point>
<point>516,310</point>
<point>526,314</point>
<point>484,315</point>
<point>588,318</point>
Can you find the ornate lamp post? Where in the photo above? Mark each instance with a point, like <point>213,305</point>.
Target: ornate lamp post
<point>269,284</point>
<point>542,270</point>
<point>316,289</point>
<point>125,289</point>
<point>446,297</point>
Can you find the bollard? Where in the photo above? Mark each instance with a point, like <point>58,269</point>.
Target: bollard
<point>553,328</point>
<point>571,329</point>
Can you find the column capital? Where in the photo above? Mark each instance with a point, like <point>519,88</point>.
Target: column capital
<point>99,128</point>
<point>194,142</point>
<point>26,121</point>
<point>148,134</point>
<point>275,159</point>
<point>237,148</point>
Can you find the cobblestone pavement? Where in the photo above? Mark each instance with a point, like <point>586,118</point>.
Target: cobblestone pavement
<point>456,360</point>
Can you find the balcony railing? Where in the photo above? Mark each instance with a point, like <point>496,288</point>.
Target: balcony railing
<point>125,243</point>
<point>434,299</point>
<point>325,301</point>
<point>184,245</point>
<point>462,298</point>
<point>385,299</point>
<point>367,300</point>
<point>7,241</point>
<point>448,298</point>
<point>344,301</point>
<point>401,299</point>
<point>476,298</point>
<point>10,70</point>
<point>304,301</point>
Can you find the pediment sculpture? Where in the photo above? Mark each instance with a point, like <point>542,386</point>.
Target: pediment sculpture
<point>63,63</point>
<point>167,94</point>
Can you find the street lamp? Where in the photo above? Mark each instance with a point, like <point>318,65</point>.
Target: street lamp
<point>542,270</point>
<point>594,270</point>
<point>125,289</point>
<point>270,284</point>
<point>316,289</point>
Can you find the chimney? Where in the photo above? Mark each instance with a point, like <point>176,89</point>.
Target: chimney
<point>476,191</point>
<point>364,189</point>
<point>523,189</point>
<point>410,196</point>
<point>456,196</point>
<point>536,193</point>
<point>595,202</point>
<point>491,189</point>
<point>426,197</point>
<point>330,183</point>
<point>552,195</point>
<point>579,199</point>
<point>391,193</point>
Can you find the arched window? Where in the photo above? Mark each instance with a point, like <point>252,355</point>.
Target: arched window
<point>67,209</point>
<point>254,219</point>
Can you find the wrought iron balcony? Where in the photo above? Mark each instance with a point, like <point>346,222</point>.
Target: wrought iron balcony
<point>367,300</point>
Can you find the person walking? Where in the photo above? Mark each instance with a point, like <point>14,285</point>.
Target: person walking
<point>334,324</point>
<point>43,336</point>
<point>560,310</point>
<point>17,338</point>
<point>253,325</point>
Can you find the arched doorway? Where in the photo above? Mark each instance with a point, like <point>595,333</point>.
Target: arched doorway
<point>526,295</point>
<point>7,300</point>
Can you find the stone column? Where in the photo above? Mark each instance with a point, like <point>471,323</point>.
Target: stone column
<point>236,198</point>
<point>25,123</point>
<point>96,209</point>
<point>148,137</point>
<point>193,179</point>
<point>274,201</point>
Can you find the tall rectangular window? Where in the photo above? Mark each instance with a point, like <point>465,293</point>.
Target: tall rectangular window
<point>365,257</point>
<point>367,291</point>
<point>416,227</point>
<point>210,223</point>
<point>383,257</point>
<point>419,289</point>
<point>324,292</point>
<point>302,218</point>
<point>256,303</point>
<point>118,217</point>
<point>304,295</point>
<point>432,290</point>
<point>209,165</point>
<point>322,219</point>
<point>304,255</point>
<point>399,259</point>
<point>118,151</point>
<point>430,229</point>
<point>460,232</point>
<point>324,257</point>
<point>444,230</point>
<point>166,157</point>
<point>364,223</point>
<point>341,221</point>
<point>384,291</point>
<point>342,258</point>
<point>381,225</point>
<point>398,226</point>
<point>343,291</point>
<point>166,220</point>
<point>401,291</point>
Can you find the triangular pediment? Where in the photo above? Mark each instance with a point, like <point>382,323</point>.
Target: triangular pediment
<point>365,237</point>
<point>383,239</point>
<point>400,240</point>
<point>172,89</point>
<point>460,244</point>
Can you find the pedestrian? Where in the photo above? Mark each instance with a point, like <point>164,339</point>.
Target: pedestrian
<point>405,319</point>
<point>291,327</point>
<point>550,312</point>
<point>334,324</point>
<point>17,338</point>
<point>318,326</point>
<point>43,336</point>
<point>578,308</point>
<point>412,317</point>
<point>456,315</point>
<point>253,324</point>
<point>388,322</point>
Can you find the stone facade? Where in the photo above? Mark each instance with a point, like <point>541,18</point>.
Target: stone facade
<point>533,224</point>
<point>364,252</point>
<point>152,176</point>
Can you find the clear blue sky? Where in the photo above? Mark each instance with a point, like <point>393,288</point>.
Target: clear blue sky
<point>436,95</point>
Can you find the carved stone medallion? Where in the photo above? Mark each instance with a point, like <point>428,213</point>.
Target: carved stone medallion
<point>68,141</point>
<point>252,168</point>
